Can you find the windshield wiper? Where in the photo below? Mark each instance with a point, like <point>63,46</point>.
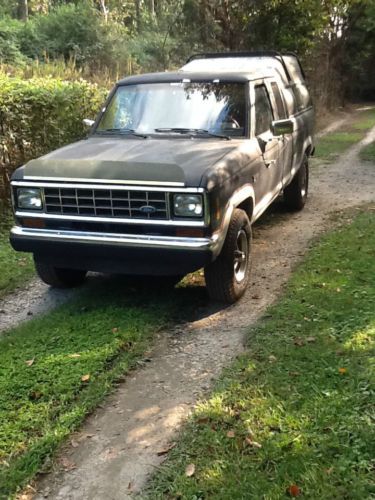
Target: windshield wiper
<point>196,131</point>
<point>122,131</point>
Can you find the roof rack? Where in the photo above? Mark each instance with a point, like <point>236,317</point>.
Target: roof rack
<point>256,53</point>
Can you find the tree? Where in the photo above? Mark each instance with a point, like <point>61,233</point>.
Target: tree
<point>23,10</point>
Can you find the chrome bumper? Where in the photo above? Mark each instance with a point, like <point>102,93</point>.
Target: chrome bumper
<point>113,239</point>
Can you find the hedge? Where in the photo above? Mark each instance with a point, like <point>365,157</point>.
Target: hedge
<point>39,115</point>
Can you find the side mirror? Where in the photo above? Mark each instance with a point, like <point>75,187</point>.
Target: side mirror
<point>281,127</point>
<point>88,123</point>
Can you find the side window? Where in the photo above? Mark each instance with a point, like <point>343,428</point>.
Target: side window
<point>302,96</point>
<point>279,101</point>
<point>263,110</point>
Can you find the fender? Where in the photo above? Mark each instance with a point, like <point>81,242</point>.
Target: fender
<point>244,193</point>
<point>308,143</point>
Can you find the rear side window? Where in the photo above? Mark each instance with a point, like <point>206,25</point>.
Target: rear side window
<point>279,101</point>
<point>263,110</point>
<point>302,96</point>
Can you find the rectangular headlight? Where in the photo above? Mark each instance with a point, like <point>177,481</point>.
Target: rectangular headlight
<point>188,205</point>
<point>29,198</point>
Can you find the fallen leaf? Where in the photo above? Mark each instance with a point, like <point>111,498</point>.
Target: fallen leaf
<point>250,442</point>
<point>298,341</point>
<point>67,464</point>
<point>190,470</point>
<point>85,378</point>
<point>74,443</point>
<point>30,362</point>
<point>87,436</point>
<point>202,420</point>
<point>231,434</point>
<point>294,490</point>
<point>310,339</point>
<point>342,371</point>
<point>74,355</point>
<point>165,450</point>
<point>35,395</point>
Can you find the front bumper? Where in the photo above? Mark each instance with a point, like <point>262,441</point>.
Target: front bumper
<point>112,252</point>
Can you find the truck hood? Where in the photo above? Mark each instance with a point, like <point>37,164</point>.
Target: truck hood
<point>182,161</point>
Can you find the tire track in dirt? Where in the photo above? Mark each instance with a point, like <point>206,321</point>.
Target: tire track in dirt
<point>135,424</point>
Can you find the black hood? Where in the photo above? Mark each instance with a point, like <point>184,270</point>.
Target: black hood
<point>177,160</point>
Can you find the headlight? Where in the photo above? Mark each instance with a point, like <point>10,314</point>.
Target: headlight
<point>188,205</point>
<point>29,198</point>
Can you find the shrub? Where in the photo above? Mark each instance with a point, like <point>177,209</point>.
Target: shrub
<point>39,115</point>
<point>9,41</point>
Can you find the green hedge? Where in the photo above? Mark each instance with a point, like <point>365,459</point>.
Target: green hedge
<point>39,115</point>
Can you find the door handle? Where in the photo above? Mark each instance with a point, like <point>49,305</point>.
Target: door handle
<point>269,163</point>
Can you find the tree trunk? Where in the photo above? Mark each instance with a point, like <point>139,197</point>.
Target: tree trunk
<point>103,9</point>
<point>23,10</point>
<point>152,7</point>
<point>138,14</point>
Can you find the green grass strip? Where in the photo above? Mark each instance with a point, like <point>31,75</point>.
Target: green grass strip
<point>331,145</point>
<point>15,268</point>
<point>297,408</point>
<point>100,334</point>
<point>368,152</point>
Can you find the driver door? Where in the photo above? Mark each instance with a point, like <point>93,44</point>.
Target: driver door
<point>269,180</point>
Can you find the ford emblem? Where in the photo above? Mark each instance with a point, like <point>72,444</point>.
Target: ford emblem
<point>148,209</point>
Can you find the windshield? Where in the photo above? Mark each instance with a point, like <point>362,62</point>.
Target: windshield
<point>177,108</point>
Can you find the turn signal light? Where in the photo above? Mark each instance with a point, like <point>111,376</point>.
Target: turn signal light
<point>34,223</point>
<point>190,232</point>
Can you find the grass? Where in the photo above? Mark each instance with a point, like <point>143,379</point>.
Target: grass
<point>368,152</point>
<point>330,146</point>
<point>295,413</point>
<point>55,369</point>
<point>16,268</point>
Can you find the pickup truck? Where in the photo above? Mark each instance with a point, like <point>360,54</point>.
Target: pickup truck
<point>174,171</point>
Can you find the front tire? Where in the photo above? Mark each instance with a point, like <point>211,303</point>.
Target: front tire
<point>58,277</point>
<point>228,276</point>
<point>295,195</point>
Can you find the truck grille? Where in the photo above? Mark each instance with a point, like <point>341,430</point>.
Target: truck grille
<point>106,203</point>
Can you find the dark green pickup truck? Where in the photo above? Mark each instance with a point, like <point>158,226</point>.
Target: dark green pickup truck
<point>174,171</point>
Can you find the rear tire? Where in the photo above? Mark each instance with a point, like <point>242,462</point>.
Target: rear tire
<point>228,276</point>
<point>295,195</point>
<point>59,277</point>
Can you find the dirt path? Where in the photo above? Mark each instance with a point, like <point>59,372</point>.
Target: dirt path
<point>122,442</point>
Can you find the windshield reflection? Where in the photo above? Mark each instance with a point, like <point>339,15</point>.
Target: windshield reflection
<point>219,108</point>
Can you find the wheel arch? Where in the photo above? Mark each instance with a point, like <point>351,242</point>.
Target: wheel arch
<point>244,199</point>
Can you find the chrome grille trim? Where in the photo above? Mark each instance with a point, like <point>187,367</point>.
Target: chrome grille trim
<point>105,203</point>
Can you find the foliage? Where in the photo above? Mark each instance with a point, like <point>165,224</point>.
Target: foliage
<point>37,116</point>
<point>15,267</point>
<point>55,369</point>
<point>333,38</point>
<point>10,50</point>
<point>295,410</point>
